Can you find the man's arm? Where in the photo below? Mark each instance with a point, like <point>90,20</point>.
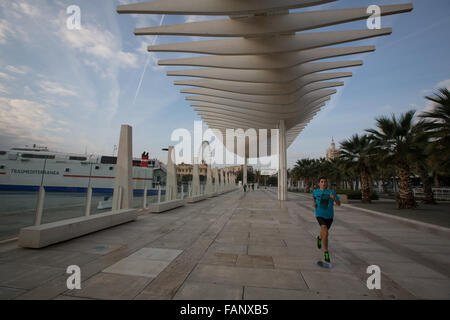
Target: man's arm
<point>314,200</point>
<point>338,202</point>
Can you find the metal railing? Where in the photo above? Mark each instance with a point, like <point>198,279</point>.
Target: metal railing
<point>442,194</point>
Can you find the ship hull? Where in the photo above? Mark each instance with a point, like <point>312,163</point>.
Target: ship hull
<point>60,175</point>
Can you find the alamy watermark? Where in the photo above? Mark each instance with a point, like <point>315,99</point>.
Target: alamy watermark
<point>374,21</point>
<point>73,22</point>
<point>374,281</point>
<point>228,146</point>
<point>74,281</point>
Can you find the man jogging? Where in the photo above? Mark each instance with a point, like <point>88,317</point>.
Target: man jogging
<point>323,202</point>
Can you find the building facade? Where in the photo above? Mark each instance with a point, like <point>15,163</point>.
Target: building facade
<point>332,152</point>
<point>184,169</point>
<point>239,168</point>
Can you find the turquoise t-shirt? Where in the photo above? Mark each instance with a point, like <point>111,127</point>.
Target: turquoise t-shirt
<point>324,203</point>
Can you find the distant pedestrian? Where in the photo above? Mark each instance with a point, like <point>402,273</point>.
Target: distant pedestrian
<point>253,187</point>
<point>323,203</point>
<point>245,188</point>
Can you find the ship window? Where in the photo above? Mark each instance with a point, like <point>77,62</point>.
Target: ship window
<point>67,169</point>
<point>2,153</point>
<point>136,163</point>
<point>38,156</point>
<point>111,168</point>
<point>108,160</point>
<point>2,167</point>
<point>78,158</point>
<point>97,167</point>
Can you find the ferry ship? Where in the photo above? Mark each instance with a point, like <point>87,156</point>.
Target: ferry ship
<point>29,168</point>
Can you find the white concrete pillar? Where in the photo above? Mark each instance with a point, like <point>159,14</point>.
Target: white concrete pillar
<point>282,162</point>
<point>209,187</point>
<point>195,179</point>
<point>244,172</point>
<point>216,179</point>
<point>222,185</point>
<point>124,171</point>
<point>171,182</point>
<point>226,178</point>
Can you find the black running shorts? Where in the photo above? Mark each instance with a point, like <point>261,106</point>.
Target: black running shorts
<point>325,222</point>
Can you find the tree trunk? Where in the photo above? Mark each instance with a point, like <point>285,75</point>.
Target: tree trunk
<point>365,187</point>
<point>339,184</point>
<point>436,179</point>
<point>427,190</point>
<point>406,200</point>
<point>307,187</point>
<point>384,185</point>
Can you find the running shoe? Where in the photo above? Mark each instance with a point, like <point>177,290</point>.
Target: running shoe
<point>327,256</point>
<point>319,242</point>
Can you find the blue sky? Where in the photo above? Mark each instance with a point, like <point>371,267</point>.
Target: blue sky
<point>72,89</point>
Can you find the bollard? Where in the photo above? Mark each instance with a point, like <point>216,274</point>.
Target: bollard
<point>159,193</point>
<point>144,201</point>
<point>87,209</point>
<point>40,206</point>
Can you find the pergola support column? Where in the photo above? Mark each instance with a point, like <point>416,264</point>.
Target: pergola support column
<point>171,181</point>
<point>244,172</point>
<point>282,162</point>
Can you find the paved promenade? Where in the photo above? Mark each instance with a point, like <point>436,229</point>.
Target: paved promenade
<point>237,246</point>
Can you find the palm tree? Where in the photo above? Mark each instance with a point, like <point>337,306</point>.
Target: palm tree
<point>337,171</point>
<point>437,124</point>
<point>356,152</point>
<point>303,168</point>
<point>393,141</point>
<point>422,160</point>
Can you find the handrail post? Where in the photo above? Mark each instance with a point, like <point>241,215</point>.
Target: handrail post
<point>40,206</point>
<point>144,201</point>
<point>87,209</point>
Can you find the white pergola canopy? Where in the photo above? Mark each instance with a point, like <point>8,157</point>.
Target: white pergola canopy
<point>263,75</point>
<point>264,71</point>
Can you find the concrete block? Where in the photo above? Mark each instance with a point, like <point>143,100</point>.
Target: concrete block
<point>165,206</point>
<point>212,194</point>
<point>55,232</point>
<point>195,199</point>
<point>343,197</point>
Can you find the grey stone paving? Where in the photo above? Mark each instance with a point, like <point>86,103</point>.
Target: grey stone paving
<point>237,246</point>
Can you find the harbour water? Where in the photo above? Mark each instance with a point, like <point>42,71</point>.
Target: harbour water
<point>18,208</point>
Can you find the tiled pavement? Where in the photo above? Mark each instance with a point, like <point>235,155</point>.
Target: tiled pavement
<point>236,246</point>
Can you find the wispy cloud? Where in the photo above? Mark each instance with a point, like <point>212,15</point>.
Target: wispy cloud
<point>25,120</point>
<point>5,76</point>
<point>17,69</point>
<point>99,43</point>
<point>3,89</point>
<point>56,88</point>
<point>5,29</point>
<point>25,8</point>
